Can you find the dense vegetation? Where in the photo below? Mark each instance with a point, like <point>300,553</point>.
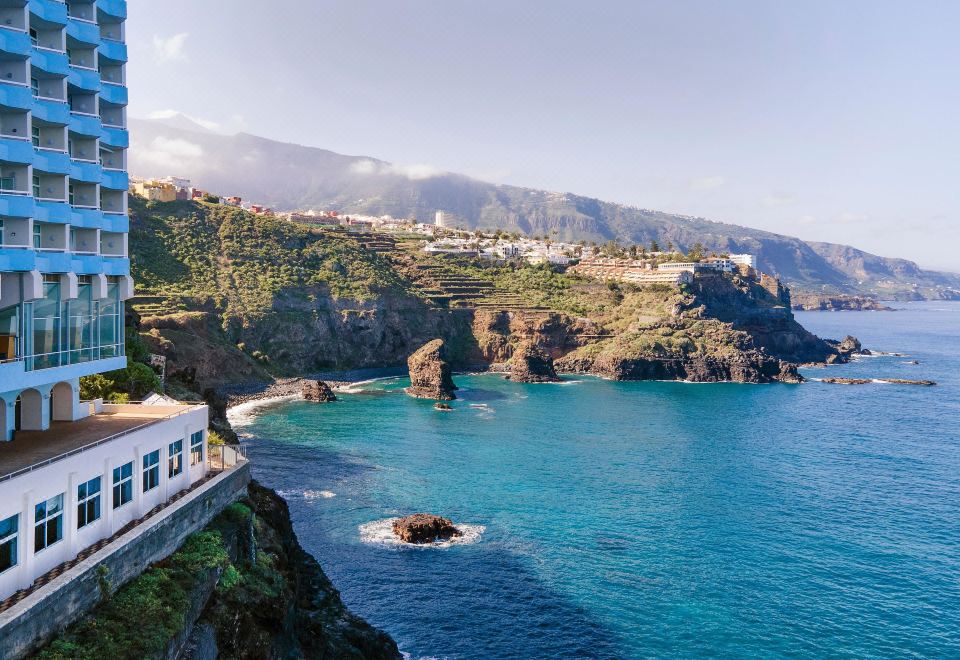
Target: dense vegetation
<point>240,262</point>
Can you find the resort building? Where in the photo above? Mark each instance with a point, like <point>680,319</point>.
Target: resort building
<point>72,472</point>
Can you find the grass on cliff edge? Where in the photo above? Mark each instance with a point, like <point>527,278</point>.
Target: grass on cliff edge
<point>143,616</point>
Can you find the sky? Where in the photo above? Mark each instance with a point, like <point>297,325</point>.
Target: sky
<point>831,121</point>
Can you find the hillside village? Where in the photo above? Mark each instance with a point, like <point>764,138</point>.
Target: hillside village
<point>610,262</point>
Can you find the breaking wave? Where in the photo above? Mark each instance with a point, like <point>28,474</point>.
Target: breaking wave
<point>246,413</point>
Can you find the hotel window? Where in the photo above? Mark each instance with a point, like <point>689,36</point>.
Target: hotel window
<point>151,471</point>
<point>48,528</point>
<point>9,530</point>
<point>122,485</point>
<point>196,448</point>
<point>175,463</point>
<point>37,237</point>
<point>36,186</point>
<point>88,502</point>
<point>35,135</point>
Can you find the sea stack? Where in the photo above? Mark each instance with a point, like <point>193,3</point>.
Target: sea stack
<point>424,528</point>
<point>430,373</point>
<point>531,364</point>
<point>317,391</point>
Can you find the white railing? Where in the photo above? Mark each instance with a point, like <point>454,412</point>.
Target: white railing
<point>80,66</point>
<point>7,246</point>
<point>7,191</point>
<point>50,98</point>
<point>83,114</point>
<point>54,149</point>
<point>7,136</point>
<point>8,81</point>
<point>92,445</point>
<point>50,50</point>
<point>224,457</point>
<point>50,199</point>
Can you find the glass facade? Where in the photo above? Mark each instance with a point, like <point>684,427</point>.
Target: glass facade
<point>54,332</point>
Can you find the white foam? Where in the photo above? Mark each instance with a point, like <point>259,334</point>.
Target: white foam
<point>380,532</point>
<point>360,385</point>
<point>246,413</point>
<point>306,494</point>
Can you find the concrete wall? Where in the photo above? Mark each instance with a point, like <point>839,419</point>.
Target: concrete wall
<point>35,620</point>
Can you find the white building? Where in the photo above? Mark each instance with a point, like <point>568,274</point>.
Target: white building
<point>749,260</point>
<point>439,219</point>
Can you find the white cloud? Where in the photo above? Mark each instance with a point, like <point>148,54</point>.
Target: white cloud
<point>412,172</point>
<point>170,49</point>
<point>777,200</point>
<point>708,183</point>
<point>848,218</point>
<point>165,155</point>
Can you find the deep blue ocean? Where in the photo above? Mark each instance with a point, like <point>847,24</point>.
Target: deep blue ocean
<point>627,520</point>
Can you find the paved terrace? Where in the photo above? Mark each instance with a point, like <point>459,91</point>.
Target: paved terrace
<point>34,447</point>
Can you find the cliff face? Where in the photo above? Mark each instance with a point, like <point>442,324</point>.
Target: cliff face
<point>279,603</point>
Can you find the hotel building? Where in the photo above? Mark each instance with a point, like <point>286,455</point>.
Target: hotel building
<point>72,472</point>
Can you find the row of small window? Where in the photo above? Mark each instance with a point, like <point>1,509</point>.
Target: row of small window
<point>48,520</point>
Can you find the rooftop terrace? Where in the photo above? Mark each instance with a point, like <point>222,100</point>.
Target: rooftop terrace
<point>33,449</point>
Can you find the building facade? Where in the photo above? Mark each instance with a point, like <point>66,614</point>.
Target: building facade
<point>72,472</point>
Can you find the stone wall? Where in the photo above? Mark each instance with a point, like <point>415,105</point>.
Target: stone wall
<point>35,620</point>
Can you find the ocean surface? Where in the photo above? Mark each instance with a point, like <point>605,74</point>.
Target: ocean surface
<point>628,520</point>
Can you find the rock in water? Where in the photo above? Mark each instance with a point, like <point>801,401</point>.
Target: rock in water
<point>318,392</point>
<point>430,373</point>
<point>424,528</point>
<point>531,364</point>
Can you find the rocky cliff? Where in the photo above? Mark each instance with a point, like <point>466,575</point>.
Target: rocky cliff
<point>241,588</point>
<point>255,298</point>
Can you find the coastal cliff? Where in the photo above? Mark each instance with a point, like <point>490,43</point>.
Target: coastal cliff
<point>236,298</point>
<point>242,588</point>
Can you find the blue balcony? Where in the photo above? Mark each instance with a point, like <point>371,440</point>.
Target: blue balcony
<point>85,125</point>
<point>86,79</point>
<point>16,42</point>
<point>82,171</point>
<point>54,162</point>
<point>16,151</point>
<point>84,32</point>
<point>52,211</point>
<point>119,224</point>
<point>87,264</point>
<point>115,137</point>
<point>49,10</point>
<point>55,112</point>
<point>116,8</point>
<point>113,50</point>
<point>116,266</point>
<point>17,259</point>
<point>16,206</point>
<point>115,180</point>
<point>51,61</point>
<point>88,218</point>
<point>114,94</point>
<point>54,262</point>
<point>16,96</point>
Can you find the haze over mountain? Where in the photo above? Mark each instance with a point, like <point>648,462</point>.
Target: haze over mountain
<point>288,176</point>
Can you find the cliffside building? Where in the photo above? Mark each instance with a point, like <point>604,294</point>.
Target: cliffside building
<point>72,472</point>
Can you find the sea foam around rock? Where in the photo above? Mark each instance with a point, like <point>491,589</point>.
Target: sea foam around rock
<point>380,532</point>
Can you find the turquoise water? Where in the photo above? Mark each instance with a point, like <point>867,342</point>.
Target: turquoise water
<point>648,519</point>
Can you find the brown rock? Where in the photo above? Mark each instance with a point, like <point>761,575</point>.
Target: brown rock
<point>847,381</point>
<point>424,528</point>
<point>530,364</point>
<point>430,373</point>
<point>318,392</point>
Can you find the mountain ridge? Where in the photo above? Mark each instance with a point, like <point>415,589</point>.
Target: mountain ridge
<point>288,176</point>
